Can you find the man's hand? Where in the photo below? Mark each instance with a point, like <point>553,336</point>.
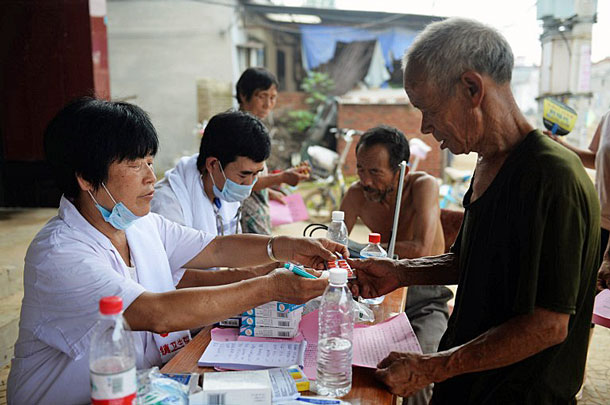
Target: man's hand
<point>603,276</point>
<point>406,373</point>
<point>276,196</point>
<point>295,175</point>
<point>288,287</point>
<point>307,251</point>
<point>374,277</point>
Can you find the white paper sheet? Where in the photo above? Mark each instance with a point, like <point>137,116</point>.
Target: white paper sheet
<point>239,355</point>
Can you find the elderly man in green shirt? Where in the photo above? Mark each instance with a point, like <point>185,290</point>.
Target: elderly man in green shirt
<point>527,253</point>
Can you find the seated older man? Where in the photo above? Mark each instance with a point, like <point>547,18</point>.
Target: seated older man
<point>527,253</point>
<point>373,199</point>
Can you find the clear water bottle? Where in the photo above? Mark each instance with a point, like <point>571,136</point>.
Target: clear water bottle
<point>337,231</point>
<point>373,249</point>
<point>112,357</point>
<point>336,327</point>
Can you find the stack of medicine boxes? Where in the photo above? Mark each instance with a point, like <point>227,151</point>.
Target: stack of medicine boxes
<point>273,320</point>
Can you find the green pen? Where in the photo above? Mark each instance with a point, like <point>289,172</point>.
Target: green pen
<point>298,270</point>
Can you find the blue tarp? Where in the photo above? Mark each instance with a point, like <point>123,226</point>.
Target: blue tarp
<point>319,42</point>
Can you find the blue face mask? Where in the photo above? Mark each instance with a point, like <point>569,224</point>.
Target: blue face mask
<point>120,217</point>
<point>232,192</point>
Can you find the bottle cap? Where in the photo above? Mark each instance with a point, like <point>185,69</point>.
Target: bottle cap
<point>338,276</point>
<point>338,215</point>
<point>111,305</point>
<point>374,238</point>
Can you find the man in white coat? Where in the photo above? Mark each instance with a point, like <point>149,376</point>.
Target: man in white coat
<point>205,191</point>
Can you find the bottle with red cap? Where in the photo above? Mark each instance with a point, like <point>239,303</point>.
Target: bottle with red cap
<point>112,357</point>
<point>373,249</point>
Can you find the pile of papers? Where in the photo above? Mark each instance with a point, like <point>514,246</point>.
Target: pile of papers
<point>228,350</point>
<point>272,320</point>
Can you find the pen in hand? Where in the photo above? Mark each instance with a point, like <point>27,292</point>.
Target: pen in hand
<point>298,270</point>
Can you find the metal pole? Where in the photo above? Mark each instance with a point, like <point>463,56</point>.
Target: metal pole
<point>403,169</point>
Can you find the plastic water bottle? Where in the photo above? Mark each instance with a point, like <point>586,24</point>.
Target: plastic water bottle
<point>336,327</point>
<point>373,249</point>
<point>337,231</point>
<point>112,357</point>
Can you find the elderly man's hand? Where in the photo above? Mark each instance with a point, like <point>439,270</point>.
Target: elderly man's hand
<point>603,276</point>
<point>406,373</point>
<point>374,277</point>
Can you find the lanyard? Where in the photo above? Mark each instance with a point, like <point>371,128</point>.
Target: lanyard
<point>219,221</point>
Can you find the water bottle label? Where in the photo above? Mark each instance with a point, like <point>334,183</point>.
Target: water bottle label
<point>114,389</point>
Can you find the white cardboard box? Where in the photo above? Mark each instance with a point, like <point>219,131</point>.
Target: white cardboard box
<point>234,388</point>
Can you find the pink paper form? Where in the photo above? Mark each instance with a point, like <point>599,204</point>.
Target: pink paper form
<point>601,309</point>
<point>374,343</point>
<point>293,210</point>
<point>371,343</point>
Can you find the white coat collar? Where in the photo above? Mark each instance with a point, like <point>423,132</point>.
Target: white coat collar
<point>74,219</point>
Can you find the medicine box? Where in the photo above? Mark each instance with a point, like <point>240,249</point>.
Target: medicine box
<point>299,377</point>
<point>264,331</point>
<point>273,312</point>
<point>237,387</point>
<point>233,322</point>
<point>284,323</point>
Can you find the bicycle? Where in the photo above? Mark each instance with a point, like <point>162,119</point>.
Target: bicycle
<point>452,193</point>
<point>327,173</point>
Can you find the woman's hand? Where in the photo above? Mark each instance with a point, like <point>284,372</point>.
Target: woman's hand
<point>288,287</point>
<point>307,251</point>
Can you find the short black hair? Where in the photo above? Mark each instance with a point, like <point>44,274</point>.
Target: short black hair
<point>231,134</point>
<point>253,79</point>
<point>392,139</point>
<point>89,134</point>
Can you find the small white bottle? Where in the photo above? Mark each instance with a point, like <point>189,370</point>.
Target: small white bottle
<point>373,249</point>
<point>336,328</point>
<point>337,231</point>
<point>112,357</point>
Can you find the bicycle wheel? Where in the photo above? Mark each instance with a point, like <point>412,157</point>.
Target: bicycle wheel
<point>320,204</point>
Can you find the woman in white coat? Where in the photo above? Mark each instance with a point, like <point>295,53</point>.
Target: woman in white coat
<point>105,242</point>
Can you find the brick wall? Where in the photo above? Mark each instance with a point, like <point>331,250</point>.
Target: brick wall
<point>363,116</point>
<point>402,116</point>
<point>291,100</point>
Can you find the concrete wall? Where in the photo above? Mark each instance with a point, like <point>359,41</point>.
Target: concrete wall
<point>524,85</point>
<point>157,50</point>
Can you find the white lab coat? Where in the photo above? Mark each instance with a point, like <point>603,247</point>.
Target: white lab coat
<point>180,197</point>
<point>69,266</point>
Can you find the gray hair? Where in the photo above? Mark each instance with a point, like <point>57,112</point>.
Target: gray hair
<point>446,49</point>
